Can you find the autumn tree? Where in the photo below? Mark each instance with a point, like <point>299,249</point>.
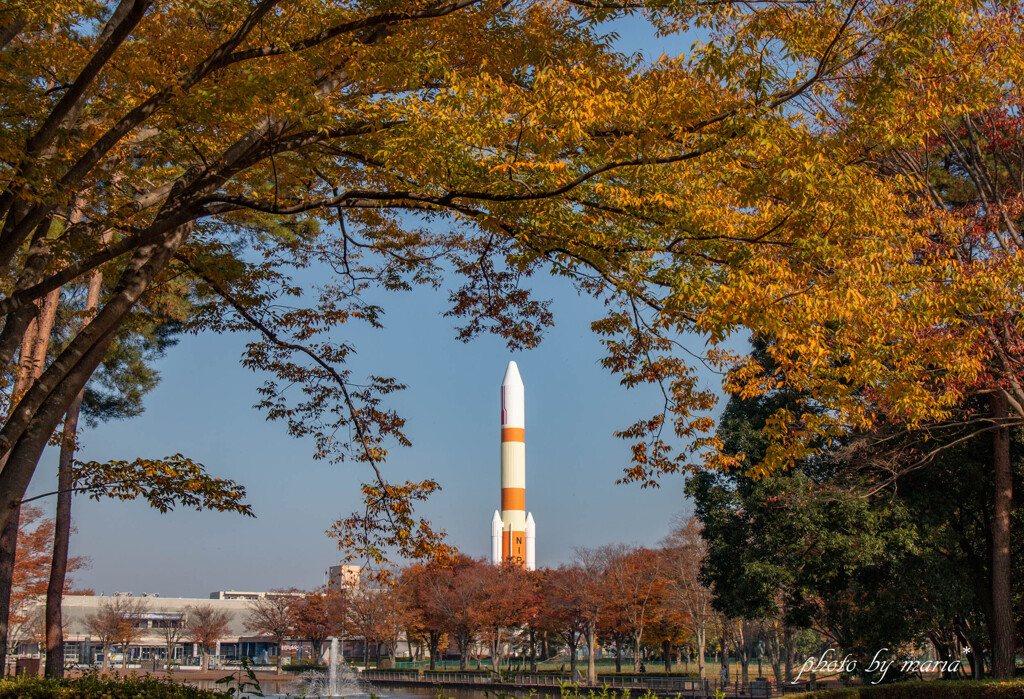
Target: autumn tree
<point>452,596</point>
<point>591,570</point>
<point>545,134</point>
<point>636,578</point>
<point>813,546</point>
<point>205,625</point>
<point>736,186</point>
<point>172,631</point>
<point>32,565</point>
<point>567,607</point>
<point>684,555</point>
<point>967,178</point>
<point>420,579</point>
<point>534,618</point>
<point>507,602</point>
<point>613,625</point>
<point>116,623</point>
<point>393,619</point>
<point>273,617</point>
<point>375,615</point>
<point>669,628</point>
<point>318,615</point>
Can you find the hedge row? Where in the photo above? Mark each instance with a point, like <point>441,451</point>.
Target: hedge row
<point>304,668</point>
<point>582,669</point>
<point>938,689</point>
<point>93,687</point>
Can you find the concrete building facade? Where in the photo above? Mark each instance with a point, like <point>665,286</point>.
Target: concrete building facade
<point>157,614</point>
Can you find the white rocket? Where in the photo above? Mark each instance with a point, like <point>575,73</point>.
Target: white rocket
<point>513,531</point>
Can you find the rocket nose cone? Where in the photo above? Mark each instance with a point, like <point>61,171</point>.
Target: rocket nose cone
<point>512,377</point>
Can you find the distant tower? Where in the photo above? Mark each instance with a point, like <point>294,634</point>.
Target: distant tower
<point>513,531</point>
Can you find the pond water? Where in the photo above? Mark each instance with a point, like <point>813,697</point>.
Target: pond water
<point>315,685</point>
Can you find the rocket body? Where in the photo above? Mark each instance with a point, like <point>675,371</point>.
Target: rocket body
<point>513,473</point>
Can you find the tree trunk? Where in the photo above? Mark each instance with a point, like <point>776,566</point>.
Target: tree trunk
<point>789,651</point>
<point>34,346</point>
<point>618,655</point>
<point>62,520</point>
<point>724,662</point>
<point>776,661</point>
<point>533,650</point>
<point>591,642</point>
<point>666,654</point>
<point>702,642</point>
<point>742,647</point>
<point>463,649</point>
<point>8,551</point>
<point>61,544</point>
<point>1003,631</point>
<point>435,641</point>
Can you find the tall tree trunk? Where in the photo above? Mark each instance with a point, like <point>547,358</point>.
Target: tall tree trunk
<point>62,520</point>
<point>702,642</point>
<point>591,642</point>
<point>744,652</point>
<point>8,550</point>
<point>666,654</point>
<point>1003,632</point>
<point>34,346</point>
<point>618,655</point>
<point>789,651</point>
<point>724,661</point>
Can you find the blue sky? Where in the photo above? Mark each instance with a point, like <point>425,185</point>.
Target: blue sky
<point>202,409</point>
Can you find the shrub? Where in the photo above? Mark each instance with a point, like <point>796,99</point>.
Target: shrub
<point>91,686</point>
<point>305,667</point>
<point>938,689</point>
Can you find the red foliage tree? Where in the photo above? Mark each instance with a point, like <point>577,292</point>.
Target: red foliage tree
<point>508,600</point>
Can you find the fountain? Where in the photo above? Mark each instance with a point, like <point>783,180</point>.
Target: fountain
<point>340,680</point>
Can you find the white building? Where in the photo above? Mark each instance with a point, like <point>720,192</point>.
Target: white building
<point>158,614</point>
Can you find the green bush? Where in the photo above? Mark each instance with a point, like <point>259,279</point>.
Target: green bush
<point>305,667</point>
<point>937,689</point>
<point>642,675</point>
<point>92,686</point>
